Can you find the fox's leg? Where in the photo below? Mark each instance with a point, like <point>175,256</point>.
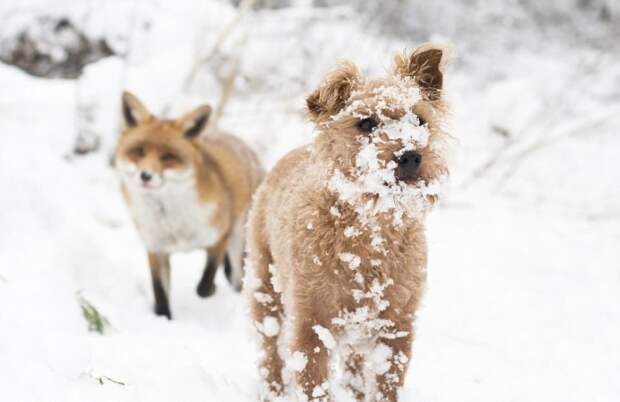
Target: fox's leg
<point>160,275</point>
<point>353,372</point>
<point>267,313</point>
<point>215,256</point>
<point>233,263</point>
<point>227,268</point>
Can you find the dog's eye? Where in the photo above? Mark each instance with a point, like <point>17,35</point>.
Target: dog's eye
<point>168,157</point>
<point>367,124</point>
<point>421,121</point>
<point>137,152</point>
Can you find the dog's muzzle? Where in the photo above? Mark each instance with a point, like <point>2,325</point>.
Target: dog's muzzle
<point>408,165</point>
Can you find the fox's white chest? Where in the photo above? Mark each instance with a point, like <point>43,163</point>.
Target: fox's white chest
<point>172,219</point>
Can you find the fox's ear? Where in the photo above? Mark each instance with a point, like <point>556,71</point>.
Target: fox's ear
<point>194,122</point>
<point>333,92</point>
<point>425,65</point>
<point>134,112</point>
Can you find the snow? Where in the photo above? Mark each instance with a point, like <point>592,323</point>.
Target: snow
<point>379,358</point>
<point>263,298</point>
<point>524,263</point>
<point>297,361</point>
<point>353,261</point>
<point>325,336</point>
<point>270,326</point>
<point>351,231</point>
<point>275,279</point>
<point>319,390</point>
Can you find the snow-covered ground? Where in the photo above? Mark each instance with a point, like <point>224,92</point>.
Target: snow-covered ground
<point>523,300</point>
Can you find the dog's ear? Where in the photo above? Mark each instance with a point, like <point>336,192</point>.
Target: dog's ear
<point>194,122</point>
<point>333,92</point>
<point>134,112</point>
<point>425,65</point>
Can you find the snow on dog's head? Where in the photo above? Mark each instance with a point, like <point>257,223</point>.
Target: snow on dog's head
<point>381,135</point>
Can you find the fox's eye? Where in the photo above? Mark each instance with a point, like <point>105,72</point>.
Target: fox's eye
<point>168,157</point>
<point>421,121</point>
<point>367,124</point>
<point>137,152</point>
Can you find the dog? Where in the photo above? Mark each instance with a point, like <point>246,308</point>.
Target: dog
<point>336,245</point>
<point>185,192</point>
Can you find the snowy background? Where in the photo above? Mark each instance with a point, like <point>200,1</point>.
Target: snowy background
<point>523,300</point>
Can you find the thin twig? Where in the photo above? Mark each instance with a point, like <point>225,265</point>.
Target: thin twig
<point>582,127</point>
<point>229,80</point>
<point>105,377</point>
<point>548,120</point>
<point>227,90</point>
<point>100,379</point>
<point>191,77</point>
<point>488,165</point>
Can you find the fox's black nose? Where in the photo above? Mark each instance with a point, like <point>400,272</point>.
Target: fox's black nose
<point>408,164</point>
<point>145,176</point>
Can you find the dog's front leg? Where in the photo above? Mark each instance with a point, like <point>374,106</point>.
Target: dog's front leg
<point>391,359</point>
<point>353,372</point>
<point>267,314</point>
<point>310,358</point>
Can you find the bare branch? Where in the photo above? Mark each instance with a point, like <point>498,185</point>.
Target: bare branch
<point>244,7</point>
<point>547,122</point>
<point>583,127</point>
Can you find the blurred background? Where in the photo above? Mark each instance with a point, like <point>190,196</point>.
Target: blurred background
<point>524,271</point>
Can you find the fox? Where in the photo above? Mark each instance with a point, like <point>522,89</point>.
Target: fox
<point>186,189</point>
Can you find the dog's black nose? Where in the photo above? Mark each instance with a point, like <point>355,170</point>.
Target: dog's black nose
<point>408,164</point>
<point>145,176</point>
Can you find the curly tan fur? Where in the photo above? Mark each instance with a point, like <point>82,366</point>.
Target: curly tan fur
<point>315,264</point>
<point>333,93</point>
<point>425,65</point>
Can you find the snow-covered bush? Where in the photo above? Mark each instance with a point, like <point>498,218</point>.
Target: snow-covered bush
<point>52,47</point>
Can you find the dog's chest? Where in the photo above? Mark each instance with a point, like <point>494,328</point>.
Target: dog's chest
<point>173,219</point>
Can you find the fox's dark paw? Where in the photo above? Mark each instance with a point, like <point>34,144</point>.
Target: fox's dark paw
<point>206,290</point>
<point>162,309</point>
